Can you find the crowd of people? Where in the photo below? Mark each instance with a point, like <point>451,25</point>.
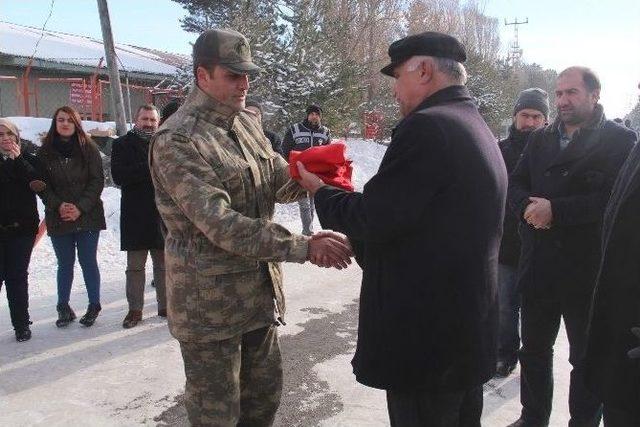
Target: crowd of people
<point>472,251</point>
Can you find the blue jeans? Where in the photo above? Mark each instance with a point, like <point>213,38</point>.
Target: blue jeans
<point>509,304</point>
<point>65,249</point>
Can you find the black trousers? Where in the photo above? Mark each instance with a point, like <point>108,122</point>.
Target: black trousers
<point>435,409</point>
<point>540,324</point>
<point>15,254</point>
<point>615,416</point>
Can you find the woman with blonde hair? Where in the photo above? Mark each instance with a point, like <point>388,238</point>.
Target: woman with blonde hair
<point>73,208</point>
<point>20,175</point>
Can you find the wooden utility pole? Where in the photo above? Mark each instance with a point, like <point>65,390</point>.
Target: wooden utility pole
<point>117,101</point>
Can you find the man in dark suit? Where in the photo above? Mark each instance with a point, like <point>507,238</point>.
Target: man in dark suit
<point>611,371</point>
<point>426,231</point>
<point>559,191</point>
<point>140,233</point>
<point>530,112</point>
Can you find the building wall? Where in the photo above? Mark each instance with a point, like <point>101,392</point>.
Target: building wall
<point>46,96</point>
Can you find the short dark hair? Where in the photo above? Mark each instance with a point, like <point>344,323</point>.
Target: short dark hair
<point>147,107</point>
<point>589,77</point>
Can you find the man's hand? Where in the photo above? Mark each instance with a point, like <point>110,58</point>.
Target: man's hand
<point>634,353</point>
<point>538,213</point>
<point>309,181</point>
<point>330,249</point>
<point>37,186</point>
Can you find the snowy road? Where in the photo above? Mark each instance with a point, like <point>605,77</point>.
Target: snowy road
<point>106,375</point>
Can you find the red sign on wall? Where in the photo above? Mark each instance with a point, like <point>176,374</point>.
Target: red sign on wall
<point>80,94</point>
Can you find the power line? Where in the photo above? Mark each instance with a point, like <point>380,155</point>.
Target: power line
<point>35,49</point>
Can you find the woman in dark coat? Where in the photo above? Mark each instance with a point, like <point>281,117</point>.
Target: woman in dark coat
<point>19,173</point>
<point>74,212</point>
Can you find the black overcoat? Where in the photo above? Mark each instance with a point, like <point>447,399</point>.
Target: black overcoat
<point>139,218</point>
<point>562,262</point>
<point>511,148</point>
<point>616,304</point>
<point>18,209</point>
<point>427,227</point>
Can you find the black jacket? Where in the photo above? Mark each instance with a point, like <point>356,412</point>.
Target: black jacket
<point>139,218</point>
<point>303,135</point>
<point>563,261</point>
<point>511,148</point>
<point>75,178</point>
<point>616,303</point>
<point>18,209</point>
<point>427,230</point>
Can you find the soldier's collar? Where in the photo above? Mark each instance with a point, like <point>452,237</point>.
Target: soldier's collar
<point>222,115</point>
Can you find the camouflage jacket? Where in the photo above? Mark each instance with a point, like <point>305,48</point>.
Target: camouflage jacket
<point>217,181</point>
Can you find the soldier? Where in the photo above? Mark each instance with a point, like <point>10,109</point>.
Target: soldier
<point>217,180</point>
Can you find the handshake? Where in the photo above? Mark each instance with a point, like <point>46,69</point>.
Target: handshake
<point>330,249</point>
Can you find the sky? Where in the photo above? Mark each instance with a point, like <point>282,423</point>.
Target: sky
<point>604,36</point>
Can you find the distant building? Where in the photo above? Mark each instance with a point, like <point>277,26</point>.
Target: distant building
<point>70,69</point>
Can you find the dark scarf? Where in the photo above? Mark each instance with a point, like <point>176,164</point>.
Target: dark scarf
<point>66,149</point>
<point>518,137</point>
<point>142,134</point>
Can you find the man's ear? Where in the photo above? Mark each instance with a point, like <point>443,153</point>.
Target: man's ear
<point>202,75</point>
<point>596,95</point>
<point>427,70</point>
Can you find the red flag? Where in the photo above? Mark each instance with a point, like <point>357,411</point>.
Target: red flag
<point>329,162</point>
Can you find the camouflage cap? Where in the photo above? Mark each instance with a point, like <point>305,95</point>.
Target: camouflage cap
<point>227,48</point>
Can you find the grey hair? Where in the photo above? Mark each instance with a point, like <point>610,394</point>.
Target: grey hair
<point>454,70</point>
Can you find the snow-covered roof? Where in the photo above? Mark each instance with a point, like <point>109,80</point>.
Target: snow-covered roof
<point>20,41</point>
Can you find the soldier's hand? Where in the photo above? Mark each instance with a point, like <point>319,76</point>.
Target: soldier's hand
<point>634,353</point>
<point>334,234</point>
<point>329,252</point>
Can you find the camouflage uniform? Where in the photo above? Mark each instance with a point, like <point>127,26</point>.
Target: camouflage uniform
<point>217,180</point>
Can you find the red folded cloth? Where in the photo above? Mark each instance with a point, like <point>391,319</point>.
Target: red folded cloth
<point>326,161</point>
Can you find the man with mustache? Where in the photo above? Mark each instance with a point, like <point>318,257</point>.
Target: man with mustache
<point>139,219</point>
<point>530,113</point>
<point>559,191</point>
<point>217,181</point>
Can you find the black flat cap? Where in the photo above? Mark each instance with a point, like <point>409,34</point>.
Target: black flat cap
<point>428,43</point>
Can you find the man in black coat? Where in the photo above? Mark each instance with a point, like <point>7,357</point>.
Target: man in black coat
<point>426,231</point>
<point>559,191</point>
<point>139,219</point>
<point>530,112</point>
<point>611,373</point>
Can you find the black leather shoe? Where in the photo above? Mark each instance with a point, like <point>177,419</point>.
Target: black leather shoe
<point>23,334</point>
<point>504,369</point>
<point>521,422</point>
<point>65,315</point>
<point>90,316</point>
